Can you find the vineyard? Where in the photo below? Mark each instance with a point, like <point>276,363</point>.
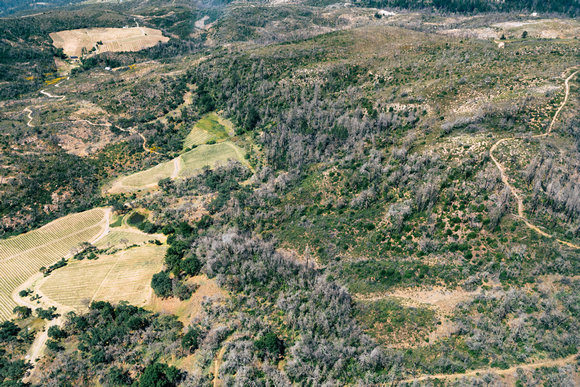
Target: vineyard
<point>22,256</point>
<point>197,136</point>
<point>125,275</point>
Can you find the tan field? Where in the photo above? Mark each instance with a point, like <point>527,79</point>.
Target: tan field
<point>124,276</point>
<point>114,39</point>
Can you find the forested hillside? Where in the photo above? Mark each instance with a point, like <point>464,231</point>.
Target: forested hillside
<point>403,207</point>
<point>565,7</point>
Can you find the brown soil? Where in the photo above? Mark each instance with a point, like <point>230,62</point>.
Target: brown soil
<point>114,39</point>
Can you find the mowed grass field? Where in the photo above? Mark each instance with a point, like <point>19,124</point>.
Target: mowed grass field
<point>21,257</point>
<point>210,127</point>
<point>189,163</point>
<point>125,275</point>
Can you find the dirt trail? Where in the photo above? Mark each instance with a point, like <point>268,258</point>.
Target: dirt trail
<point>176,167</point>
<point>218,359</point>
<point>546,363</point>
<point>91,123</point>
<point>504,177</point>
<point>27,109</point>
<point>52,96</point>
<point>145,145</point>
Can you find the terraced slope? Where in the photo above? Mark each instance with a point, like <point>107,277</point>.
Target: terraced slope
<point>21,257</point>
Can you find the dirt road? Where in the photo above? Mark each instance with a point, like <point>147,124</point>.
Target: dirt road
<point>29,117</point>
<point>52,96</point>
<point>546,363</point>
<point>504,177</point>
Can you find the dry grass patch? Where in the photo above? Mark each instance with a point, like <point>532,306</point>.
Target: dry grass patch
<point>188,309</point>
<point>118,239</point>
<point>144,179</point>
<point>114,39</point>
<point>125,275</point>
<point>189,163</point>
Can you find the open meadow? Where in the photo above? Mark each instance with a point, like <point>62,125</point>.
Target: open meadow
<point>113,39</point>
<point>125,275</point>
<point>22,256</point>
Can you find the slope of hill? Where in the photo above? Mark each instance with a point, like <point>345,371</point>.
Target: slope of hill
<point>400,207</point>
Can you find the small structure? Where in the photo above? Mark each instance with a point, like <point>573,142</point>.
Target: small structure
<point>107,68</point>
<point>501,45</point>
<point>382,13</point>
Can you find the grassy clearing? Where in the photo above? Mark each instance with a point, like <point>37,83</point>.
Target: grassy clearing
<point>188,309</point>
<point>189,163</point>
<point>125,275</point>
<point>395,324</point>
<point>210,127</point>
<point>22,256</point>
<point>119,239</point>
<point>208,155</point>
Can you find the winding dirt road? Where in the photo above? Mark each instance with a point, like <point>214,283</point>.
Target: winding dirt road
<point>52,96</point>
<point>482,371</point>
<point>27,109</point>
<point>504,177</point>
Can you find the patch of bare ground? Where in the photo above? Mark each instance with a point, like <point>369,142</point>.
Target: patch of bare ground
<point>82,138</point>
<point>187,310</point>
<point>441,300</point>
<point>113,39</point>
<point>535,28</point>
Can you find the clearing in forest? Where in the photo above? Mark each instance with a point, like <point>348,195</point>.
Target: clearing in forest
<point>22,256</point>
<point>183,166</point>
<point>123,276</point>
<point>208,155</point>
<point>113,39</point>
<point>123,238</point>
<point>149,177</point>
<point>210,127</point>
